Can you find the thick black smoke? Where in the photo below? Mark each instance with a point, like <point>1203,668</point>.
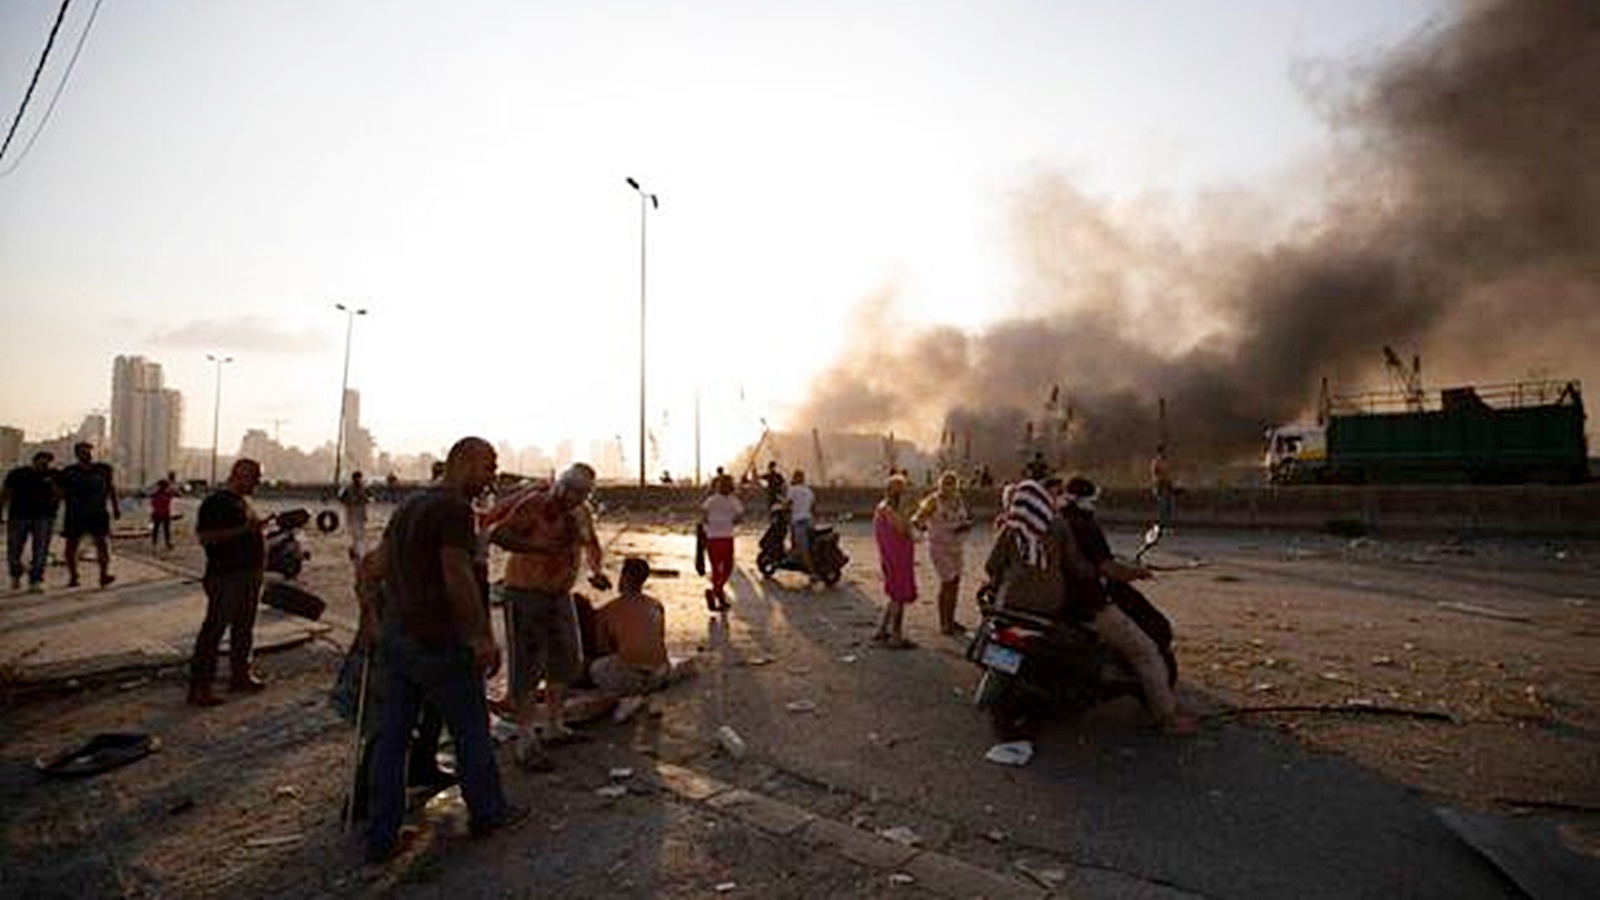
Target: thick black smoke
<point>1460,220</point>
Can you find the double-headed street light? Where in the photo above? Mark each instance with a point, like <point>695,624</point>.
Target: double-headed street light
<point>216,411</point>
<point>647,201</point>
<point>344,386</point>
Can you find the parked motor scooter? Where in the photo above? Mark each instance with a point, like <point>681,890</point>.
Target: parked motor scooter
<point>1034,666</point>
<point>285,554</point>
<point>826,557</point>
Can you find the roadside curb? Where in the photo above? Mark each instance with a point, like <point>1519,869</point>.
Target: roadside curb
<point>935,872</point>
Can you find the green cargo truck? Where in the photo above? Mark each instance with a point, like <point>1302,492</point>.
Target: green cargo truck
<point>1491,434</point>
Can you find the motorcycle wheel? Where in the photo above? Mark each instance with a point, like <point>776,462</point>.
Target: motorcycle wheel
<point>291,566</point>
<point>766,565</point>
<point>830,577</point>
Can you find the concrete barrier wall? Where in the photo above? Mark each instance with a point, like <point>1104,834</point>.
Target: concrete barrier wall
<point>1522,509</point>
<point>1535,509</point>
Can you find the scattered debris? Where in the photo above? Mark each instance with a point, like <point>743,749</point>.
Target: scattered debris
<point>900,834</point>
<point>181,805</point>
<point>901,879</point>
<point>1337,709</point>
<point>996,835</point>
<point>281,840</point>
<point>1472,609</point>
<point>288,791</point>
<point>731,742</point>
<point>1383,660</point>
<point>754,661</point>
<point>1529,853</point>
<point>620,774</point>
<point>800,706</point>
<point>851,657</point>
<point>725,887</point>
<point>1010,753</point>
<point>1049,879</point>
<point>1262,687</point>
<point>612,791</point>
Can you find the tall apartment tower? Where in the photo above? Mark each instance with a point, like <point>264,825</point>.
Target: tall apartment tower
<point>146,422</point>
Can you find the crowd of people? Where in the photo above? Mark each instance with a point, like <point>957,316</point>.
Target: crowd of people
<point>425,649</point>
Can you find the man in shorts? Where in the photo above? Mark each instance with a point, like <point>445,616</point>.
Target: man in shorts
<point>87,489</point>
<point>548,532</point>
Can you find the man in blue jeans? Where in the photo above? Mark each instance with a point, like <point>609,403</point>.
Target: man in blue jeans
<point>29,499</point>
<point>439,647</point>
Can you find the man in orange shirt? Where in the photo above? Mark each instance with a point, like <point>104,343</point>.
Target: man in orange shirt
<point>548,533</point>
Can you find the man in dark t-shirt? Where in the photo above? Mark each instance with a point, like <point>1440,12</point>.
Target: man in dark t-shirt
<point>230,532</point>
<point>438,647</point>
<point>1114,626</point>
<point>87,488</point>
<point>29,499</point>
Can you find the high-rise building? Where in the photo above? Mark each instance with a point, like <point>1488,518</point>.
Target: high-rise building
<point>10,447</point>
<point>146,421</point>
<point>166,438</point>
<point>357,441</point>
<point>93,430</point>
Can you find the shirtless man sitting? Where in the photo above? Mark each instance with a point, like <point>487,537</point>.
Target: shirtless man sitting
<point>631,632</point>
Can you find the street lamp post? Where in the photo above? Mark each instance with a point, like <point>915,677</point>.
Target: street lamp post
<point>344,387</point>
<point>647,201</point>
<point>216,411</point>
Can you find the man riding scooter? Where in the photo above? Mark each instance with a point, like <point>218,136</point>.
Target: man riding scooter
<point>1126,621</point>
<point>815,550</point>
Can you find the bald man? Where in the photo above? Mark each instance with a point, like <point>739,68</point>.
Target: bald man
<point>438,647</point>
<point>236,553</point>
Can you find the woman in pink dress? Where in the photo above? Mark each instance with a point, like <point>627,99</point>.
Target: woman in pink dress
<point>944,514</point>
<point>891,526</point>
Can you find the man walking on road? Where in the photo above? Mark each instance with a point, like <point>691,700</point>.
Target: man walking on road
<point>230,532</point>
<point>438,646</point>
<point>29,499</point>
<point>354,499</point>
<point>87,487</point>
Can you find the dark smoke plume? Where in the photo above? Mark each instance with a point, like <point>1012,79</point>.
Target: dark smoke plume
<point>1460,219</point>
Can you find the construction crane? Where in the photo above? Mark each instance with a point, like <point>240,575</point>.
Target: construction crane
<point>1407,381</point>
<point>750,472</point>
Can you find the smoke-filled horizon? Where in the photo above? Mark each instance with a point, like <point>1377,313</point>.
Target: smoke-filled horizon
<point>1458,218</point>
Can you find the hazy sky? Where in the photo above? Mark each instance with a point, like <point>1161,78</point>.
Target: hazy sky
<point>217,175</point>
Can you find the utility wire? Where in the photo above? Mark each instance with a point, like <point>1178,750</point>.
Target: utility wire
<point>60,86</point>
<point>34,82</point>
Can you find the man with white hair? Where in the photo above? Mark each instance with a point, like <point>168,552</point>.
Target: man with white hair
<point>549,532</point>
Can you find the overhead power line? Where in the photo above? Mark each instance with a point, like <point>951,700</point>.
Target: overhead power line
<point>34,82</point>
<point>61,85</point>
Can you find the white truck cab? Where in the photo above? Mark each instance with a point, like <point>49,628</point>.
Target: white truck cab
<point>1295,453</point>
